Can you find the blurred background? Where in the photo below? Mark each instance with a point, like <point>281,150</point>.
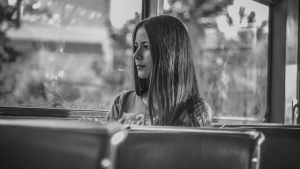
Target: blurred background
<point>77,54</point>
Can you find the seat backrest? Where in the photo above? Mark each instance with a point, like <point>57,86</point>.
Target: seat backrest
<point>281,149</point>
<point>54,144</point>
<point>191,148</point>
<point>265,125</point>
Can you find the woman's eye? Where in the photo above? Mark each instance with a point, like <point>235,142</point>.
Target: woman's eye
<point>147,47</point>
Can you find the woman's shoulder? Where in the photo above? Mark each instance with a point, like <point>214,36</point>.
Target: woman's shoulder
<point>205,113</point>
<point>204,107</point>
<point>125,95</point>
<point>121,100</point>
<point>200,114</point>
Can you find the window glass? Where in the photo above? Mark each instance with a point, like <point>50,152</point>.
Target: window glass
<point>67,53</point>
<point>230,42</point>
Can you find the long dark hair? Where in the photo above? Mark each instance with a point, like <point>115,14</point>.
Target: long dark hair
<point>173,83</point>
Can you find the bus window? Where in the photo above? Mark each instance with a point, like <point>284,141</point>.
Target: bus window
<point>68,54</point>
<point>230,42</point>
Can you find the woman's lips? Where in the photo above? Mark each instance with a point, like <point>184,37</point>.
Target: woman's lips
<point>140,66</point>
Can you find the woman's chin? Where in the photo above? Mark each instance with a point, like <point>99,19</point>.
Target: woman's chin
<point>143,76</point>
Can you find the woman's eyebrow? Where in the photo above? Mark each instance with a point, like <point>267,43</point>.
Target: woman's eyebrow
<point>144,42</point>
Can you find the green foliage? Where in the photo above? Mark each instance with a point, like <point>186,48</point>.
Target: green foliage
<point>9,19</point>
<point>232,68</point>
<point>195,9</point>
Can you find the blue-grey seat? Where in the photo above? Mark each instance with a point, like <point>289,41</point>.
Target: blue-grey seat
<point>281,148</point>
<point>54,144</point>
<point>189,148</point>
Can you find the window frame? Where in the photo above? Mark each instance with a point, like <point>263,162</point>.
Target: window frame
<point>281,12</point>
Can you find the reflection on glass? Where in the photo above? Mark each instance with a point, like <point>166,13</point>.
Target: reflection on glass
<point>71,54</point>
<point>230,41</point>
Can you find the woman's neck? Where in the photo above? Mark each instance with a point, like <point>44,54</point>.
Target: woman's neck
<point>144,98</point>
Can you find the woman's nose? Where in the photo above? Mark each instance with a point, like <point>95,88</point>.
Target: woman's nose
<point>138,54</point>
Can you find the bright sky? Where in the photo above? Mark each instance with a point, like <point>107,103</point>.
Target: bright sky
<point>122,10</point>
<point>261,11</point>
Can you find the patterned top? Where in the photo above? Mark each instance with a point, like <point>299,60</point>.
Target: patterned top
<point>129,109</point>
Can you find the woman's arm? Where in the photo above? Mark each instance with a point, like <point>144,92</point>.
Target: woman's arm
<point>113,114</point>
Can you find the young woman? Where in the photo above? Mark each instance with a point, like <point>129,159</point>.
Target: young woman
<point>166,86</point>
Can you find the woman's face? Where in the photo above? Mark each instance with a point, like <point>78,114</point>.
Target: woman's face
<point>142,56</point>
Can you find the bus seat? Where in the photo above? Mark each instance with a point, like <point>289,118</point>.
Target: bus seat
<point>55,144</point>
<point>281,149</point>
<point>191,148</point>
